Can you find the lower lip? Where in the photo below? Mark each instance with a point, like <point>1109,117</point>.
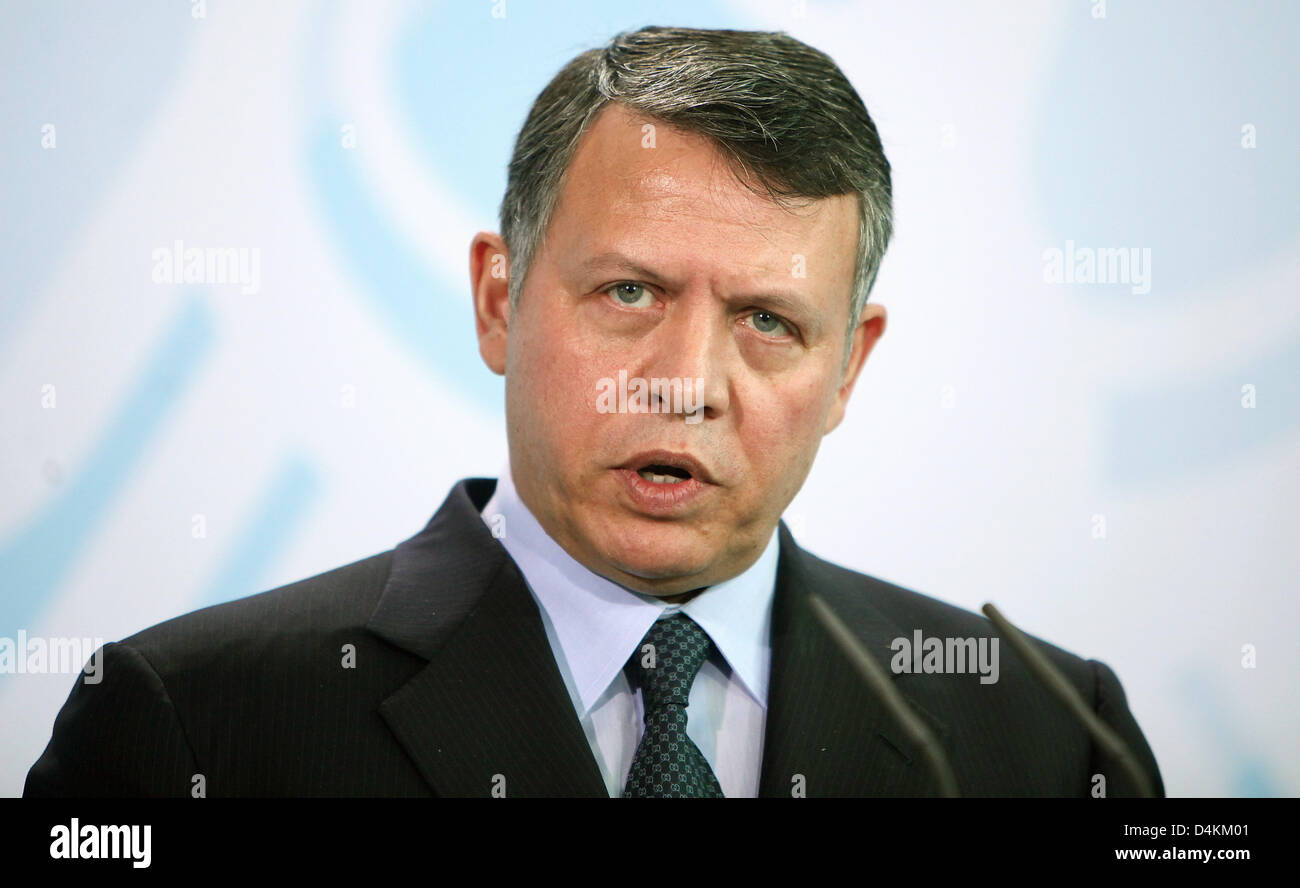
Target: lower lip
<point>662,499</point>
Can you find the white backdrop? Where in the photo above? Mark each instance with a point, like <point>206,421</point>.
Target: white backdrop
<point>1083,454</point>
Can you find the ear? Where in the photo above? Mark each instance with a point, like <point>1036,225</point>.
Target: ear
<point>489,279</point>
<point>869,330</point>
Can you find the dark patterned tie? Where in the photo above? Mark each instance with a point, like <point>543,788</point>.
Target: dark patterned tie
<point>668,764</point>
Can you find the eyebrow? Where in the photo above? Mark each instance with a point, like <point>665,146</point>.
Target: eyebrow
<point>788,303</point>
<point>617,261</point>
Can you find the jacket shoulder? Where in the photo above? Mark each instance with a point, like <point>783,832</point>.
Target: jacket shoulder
<point>912,610</point>
<point>258,696</point>
<point>335,601</point>
<point>1015,714</point>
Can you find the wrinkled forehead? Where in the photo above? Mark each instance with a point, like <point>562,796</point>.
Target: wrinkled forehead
<point>671,198</point>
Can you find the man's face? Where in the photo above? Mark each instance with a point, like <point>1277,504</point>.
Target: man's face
<point>660,264</point>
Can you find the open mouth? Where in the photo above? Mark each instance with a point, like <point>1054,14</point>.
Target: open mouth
<point>657,473</point>
<point>666,483</point>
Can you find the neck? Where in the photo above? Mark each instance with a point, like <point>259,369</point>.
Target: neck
<point>682,598</point>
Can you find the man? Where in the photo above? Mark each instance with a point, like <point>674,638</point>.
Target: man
<point>678,302</point>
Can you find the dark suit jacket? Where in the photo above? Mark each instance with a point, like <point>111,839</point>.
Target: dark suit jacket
<point>454,690</point>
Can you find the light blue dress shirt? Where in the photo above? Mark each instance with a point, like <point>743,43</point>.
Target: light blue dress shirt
<point>594,626</point>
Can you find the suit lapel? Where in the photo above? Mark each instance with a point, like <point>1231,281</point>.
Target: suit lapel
<point>826,733</point>
<point>490,710</point>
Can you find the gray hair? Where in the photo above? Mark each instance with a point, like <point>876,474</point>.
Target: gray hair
<point>781,112</point>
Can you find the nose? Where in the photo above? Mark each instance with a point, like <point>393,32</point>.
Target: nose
<point>694,345</point>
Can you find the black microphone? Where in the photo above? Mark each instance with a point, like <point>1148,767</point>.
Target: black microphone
<point>879,683</point>
<point>1047,674</point>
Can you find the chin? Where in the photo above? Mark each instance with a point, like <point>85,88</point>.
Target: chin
<point>656,555</point>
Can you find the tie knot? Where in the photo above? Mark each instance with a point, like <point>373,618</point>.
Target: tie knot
<point>668,659</point>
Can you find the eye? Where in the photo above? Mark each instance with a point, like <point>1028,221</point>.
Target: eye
<point>769,324</point>
<point>631,295</point>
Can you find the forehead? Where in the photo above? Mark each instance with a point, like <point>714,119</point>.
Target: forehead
<point>670,199</point>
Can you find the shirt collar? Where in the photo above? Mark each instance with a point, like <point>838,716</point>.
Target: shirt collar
<point>599,624</point>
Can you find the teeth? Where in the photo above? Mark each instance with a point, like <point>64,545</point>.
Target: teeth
<point>659,479</point>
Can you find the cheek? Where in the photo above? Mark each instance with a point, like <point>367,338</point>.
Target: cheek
<point>552,376</point>
<point>787,427</point>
